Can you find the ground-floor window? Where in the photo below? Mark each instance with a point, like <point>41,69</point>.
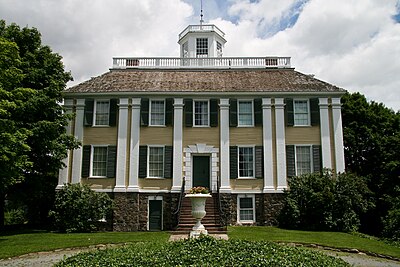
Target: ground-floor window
<point>246,208</point>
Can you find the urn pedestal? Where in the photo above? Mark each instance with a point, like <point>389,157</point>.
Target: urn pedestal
<point>198,212</point>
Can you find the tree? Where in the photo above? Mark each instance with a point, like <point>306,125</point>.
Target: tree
<point>371,134</point>
<point>32,85</point>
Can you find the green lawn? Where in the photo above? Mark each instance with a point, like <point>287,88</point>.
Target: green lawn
<point>330,239</point>
<point>17,243</point>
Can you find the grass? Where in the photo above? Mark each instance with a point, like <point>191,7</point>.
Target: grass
<point>329,239</point>
<point>19,243</point>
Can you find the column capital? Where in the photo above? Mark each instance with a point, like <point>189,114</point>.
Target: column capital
<point>266,103</point>
<point>123,103</point>
<point>136,102</point>
<point>279,103</point>
<point>80,103</point>
<point>336,103</point>
<point>68,103</point>
<point>178,103</point>
<point>224,103</point>
<point>323,102</point>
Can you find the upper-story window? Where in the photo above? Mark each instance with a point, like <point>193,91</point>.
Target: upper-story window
<point>202,47</point>
<point>245,113</point>
<point>246,162</point>
<point>102,112</point>
<point>219,49</point>
<point>301,112</point>
<point>303,160</point>
<point>157,112</point>
<point>99,161</point>
<point>201,113</point>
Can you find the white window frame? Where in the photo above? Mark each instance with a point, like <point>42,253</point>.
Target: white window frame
<point>252,112</point>
<point>150,113</point>
<point>162,210</point>
<point>308,111</point>
<point>208,52</point>
<point>148,161</point>
<point>311,158</point>
<point>95,112</point>
<point>91,160</point>
<point>208,112</point>
<point>219,49</point>
<point>252,196</point>
<point>254,162</point>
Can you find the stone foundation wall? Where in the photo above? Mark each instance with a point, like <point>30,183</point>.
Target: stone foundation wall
<point>273,204</point>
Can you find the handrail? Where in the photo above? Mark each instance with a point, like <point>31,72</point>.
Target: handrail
<point>221,212</point>
<point>180,197</point>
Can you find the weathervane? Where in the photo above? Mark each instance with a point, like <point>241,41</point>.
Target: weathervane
<point>201,12</point>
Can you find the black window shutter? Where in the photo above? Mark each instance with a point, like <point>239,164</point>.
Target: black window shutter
<point>142,161</point>
<point>144,112</point>
<point>88,118</point>
<point>213,112</point>
<point>259,162</point>
<point>290,161</point>
<point>111,161</point>
<point>113,112</point>
<point>86,160</point>
<point>233,116</point>
<point>258,119</point>
<point>169,111</point>
<point>289,112</point>
<point>188,112</point>
<point>314,108</point>
<point>233,162</point>
<point>316,150</point>
<point>168,159</point>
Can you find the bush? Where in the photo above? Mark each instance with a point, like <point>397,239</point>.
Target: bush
<point>14,216</point>
<point>319,201</point>
<point>204,251</point>
<point>391,222</point>
<point>77,208</point>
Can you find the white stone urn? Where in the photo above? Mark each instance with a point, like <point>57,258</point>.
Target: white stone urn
<point>198,212</point>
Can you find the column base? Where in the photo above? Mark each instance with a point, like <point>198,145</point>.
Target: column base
<point>60,186</point>
<point>176,189</point>
<point>269,189</point>
<point>225,189</point>
<point>132,188</point>
<point>281,188</point>
<point>120,189</point>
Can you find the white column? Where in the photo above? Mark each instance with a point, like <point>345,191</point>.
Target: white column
<point>280,144</point>
<point>64,171</point>
<point>325,133</point>
<point>224,146</point>
<point>338,134</point>
<point>120,185</point>
<point>135,142</point>
<point>267,145</point>
<point>77,154</point>
<point>177,146</point>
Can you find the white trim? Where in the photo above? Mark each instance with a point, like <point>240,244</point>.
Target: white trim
<point>252,112</point>
<point>267,146</point>
<point>95,112</point>
<point>225,186</point>
<point>148,161</point>
<point>144,190</point>
<point>177,164</point>
<point>254,162</point>
<point>152,198</point>
<point>325,133</point>
<point>338,134</point>
<point>106,190</point>
<point>311,157</point>
<point>120,181</point>
<point>77,153</point>
<point>194,114</point>
<point>308,112</point>
<point>133,178</point>
<point>253,197</point>
<point>280,144</point>
<point>156,99</point>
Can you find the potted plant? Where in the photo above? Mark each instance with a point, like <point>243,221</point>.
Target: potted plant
<point>198,196</point>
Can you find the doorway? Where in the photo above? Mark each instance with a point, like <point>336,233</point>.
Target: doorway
<point>201,171</point>
<point>155,215</point>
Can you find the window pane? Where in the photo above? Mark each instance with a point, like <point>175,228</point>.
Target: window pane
<point>246,215</point>
<point>246,162</point>
<point>99,161</point>
<point>157,112</point>
<point>246,209</point>
<point>303,159</point>
<point>301,112</point>
<point>202,47</point>
<point>201,113</point>
<point>102,112</point>
<point>156,161</point>
<point>245,113</point>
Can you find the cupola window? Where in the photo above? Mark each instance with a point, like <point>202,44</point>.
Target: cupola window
<point>202,47</point>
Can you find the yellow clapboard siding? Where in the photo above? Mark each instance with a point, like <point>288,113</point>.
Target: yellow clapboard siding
<point>156,136</point>
<point>201,135</point>
<point>159,184</point>
<point>100,135</point>
<point>246,136</point>
<point>99,183</point>
<point>302,135</point>
<point>243,184</point>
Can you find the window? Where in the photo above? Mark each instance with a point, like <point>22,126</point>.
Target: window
<point>303,160</point>
<point>246,162</point>
<point>246,211</point>
<point>301,113</point>
<point>156,161</point>
<point>185,50</point>
<point>157,112</point>
<point>102,112</point>
<point>99,161</point>
<point>201,47</point>
<point>201,114</point>
<point>245,113</point>
<point>219,49</point>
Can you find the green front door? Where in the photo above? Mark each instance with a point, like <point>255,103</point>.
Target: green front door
<point>155,215</point>
<point>201,171</point>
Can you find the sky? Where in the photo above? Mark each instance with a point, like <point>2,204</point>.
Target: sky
<point>353,44</point>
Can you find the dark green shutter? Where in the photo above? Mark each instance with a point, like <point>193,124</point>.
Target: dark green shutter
<point>168,159</point>
<point>233,162</point>
<point>289,112</point>
<point>314,108</point>
<point>188,112</point>
<point>89,107</point>
<point>111,161</point>
<point>169,111</point>
<point>113,112</point>
<point>259,162</point>
<point>213,112</point>
<point>233,116</point>
<point>86,160</point>
<point>290,161</point>
<point>316,152</point>
<point>144,112</point>
<point>142,161</point>
<point>258,119</point>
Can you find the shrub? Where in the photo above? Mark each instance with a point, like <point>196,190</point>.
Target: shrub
<point>77,208</point>
<point>391,222</point>
<point>204,251</point>
<point>14,216</point>
<point>319,201</point>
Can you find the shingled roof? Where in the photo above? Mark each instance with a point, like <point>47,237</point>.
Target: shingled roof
<point>230,81</point>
